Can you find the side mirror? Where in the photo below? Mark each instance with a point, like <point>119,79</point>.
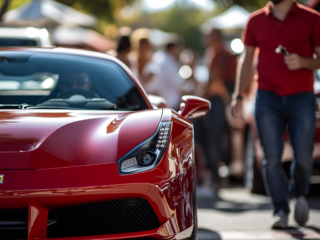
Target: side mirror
<point>157,101</point>
<point>193,107</point>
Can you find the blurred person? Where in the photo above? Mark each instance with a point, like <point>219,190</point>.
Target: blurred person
<point>146,69</point>
<point>73,80</point>
<point>213,130</point>
<point>285,98</point>
<point>124,49</point>
<point>81,80</point>
<point>221,62</point>
<point>188,59</point>
<point>144,55</point>
<point>168,83</point>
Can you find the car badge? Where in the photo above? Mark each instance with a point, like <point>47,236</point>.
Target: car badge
<point>1,178</point>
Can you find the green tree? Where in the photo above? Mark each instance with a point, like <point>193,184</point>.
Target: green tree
<point>103,9</point>
<point>4,8</point>
<point>17,3</point>
<point>183,19</point>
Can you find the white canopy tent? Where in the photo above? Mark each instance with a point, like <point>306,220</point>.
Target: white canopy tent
<point>48,12</point>
<point>235,17</point>
<point>231,23</point>
<point>82,38</point>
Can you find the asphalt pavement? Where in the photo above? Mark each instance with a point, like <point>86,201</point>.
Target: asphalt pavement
<point>239,215</point>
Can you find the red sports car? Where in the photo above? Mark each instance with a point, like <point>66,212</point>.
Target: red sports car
<point>85,154</point>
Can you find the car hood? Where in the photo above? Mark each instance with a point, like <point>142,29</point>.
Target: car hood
<point>34,139</point>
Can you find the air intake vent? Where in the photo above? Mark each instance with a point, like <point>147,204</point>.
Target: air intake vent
<point>13,223</point>
<point>118,216</point>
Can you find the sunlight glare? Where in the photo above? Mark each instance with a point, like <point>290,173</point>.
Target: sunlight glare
<point>185,72</point>
<point>200,2</point>
<point>156,4</point>
<point>48,83</point>
<point>237,46</point>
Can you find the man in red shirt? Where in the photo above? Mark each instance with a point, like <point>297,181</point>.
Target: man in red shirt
<point>285,97</point>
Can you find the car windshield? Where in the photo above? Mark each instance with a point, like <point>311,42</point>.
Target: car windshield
<point>52,80</point>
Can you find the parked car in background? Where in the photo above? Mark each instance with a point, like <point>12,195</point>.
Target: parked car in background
<point>253,150</point>
<point>24,37</point>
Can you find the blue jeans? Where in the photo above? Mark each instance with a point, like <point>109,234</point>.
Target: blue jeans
<point>274,114</point>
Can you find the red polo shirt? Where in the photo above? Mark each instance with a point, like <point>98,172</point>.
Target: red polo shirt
<point>299,33</point>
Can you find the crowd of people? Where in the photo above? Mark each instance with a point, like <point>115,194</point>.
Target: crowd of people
<point>159,75</point>
<point>284,99</point>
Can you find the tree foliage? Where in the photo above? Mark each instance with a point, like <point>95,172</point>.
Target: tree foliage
<point>16,3</point>
<point>103,9</point>
<point>4,8</point>
<point>182,19</point>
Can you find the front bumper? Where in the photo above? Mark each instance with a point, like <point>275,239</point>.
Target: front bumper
<point>42,190</point>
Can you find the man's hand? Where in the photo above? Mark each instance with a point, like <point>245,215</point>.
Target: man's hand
<point>295,62</point>
<point>237,108</point>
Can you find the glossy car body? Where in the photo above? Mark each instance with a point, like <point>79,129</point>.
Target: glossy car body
<point>54,161</point>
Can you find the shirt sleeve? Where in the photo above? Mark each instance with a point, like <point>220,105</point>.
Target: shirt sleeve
<point>316,32</point>
<point>248,37</point>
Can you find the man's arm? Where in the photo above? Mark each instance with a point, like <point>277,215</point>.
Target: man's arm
<point>243,77</point>
<point>296,62</point>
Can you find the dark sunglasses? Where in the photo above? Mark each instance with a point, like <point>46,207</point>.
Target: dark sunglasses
<point>69,81</point>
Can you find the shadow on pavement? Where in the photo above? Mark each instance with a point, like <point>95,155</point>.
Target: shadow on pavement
<point>313,228</point>
<point>298,234</point>
<point>227,205</point>
<point>205,234</point>
<point>221,204</point>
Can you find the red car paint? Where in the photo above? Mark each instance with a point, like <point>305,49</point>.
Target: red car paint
<point>193,107</point>
<point>57,158</point>
<point>51,139</point>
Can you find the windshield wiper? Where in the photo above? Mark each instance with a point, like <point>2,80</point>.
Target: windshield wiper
<point>14,106</point>
<point>26,106</point>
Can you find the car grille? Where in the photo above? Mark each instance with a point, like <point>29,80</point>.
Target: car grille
<point>118,216</point>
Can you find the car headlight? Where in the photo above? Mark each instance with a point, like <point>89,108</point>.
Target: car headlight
<point>147,154</point>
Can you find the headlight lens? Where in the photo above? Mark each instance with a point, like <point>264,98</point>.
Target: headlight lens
<point>147,154</point>
<point>145,159</point>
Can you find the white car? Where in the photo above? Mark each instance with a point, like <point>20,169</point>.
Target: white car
<point>26,36</point>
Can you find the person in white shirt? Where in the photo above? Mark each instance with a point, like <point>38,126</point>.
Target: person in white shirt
<point>168,83</point>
